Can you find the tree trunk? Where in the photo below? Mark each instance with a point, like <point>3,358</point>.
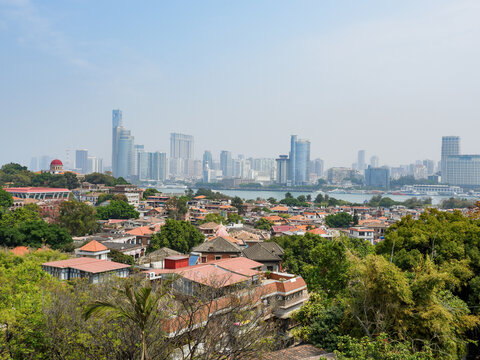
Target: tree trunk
<point>144,346</point>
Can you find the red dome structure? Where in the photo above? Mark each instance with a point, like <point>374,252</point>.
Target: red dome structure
<point>56,166</point>
<point>56,162</point>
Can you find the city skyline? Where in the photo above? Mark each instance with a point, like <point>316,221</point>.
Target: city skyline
<point>362,74</point>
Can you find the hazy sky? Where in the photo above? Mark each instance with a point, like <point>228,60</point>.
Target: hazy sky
<point>390,77</point>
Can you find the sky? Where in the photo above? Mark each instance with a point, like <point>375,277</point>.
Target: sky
<point>390,77</point>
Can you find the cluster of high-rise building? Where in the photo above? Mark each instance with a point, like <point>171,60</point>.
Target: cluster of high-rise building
<point>296,168</point>
<point>132,161</point>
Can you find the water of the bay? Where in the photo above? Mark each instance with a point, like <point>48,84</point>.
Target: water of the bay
<point>278,195</point>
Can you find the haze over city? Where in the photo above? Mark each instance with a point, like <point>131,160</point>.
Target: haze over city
<point>387,78</point>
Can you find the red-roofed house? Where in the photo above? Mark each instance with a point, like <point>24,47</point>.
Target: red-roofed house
<point>94,270</point>
<point>94,250</point>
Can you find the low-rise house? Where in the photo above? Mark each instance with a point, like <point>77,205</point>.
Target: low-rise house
<point>156,259</point>
<point>94,250</point>
<point>267,253</point>
<point>362,233</point>
<point>218,248</point>
<point>208,229</point>
<point>95,270</point>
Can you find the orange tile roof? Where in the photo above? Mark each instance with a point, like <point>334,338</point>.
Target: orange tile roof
<point>279,208</point>
<point>274,218</point>
<point>317,231</point>
<point>93,246</point>
<point>20,250</point>
<point>199,197</point>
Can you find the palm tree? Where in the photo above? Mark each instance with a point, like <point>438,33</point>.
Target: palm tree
<point>138,307</point>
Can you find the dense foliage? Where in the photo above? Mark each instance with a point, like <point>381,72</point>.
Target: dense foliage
<point>340,220</point>
<point>263,224</point>
<point>117,210</point>
<point>177,235</point>
<point>420,288</point>
<point>107,179</point>
<point>78,218</point>
<point>25,227</point>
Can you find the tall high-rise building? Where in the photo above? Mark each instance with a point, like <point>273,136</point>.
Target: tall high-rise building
<point>117,123</point>
<point>226,164</point>
<point>95,164</point>
<point>81,161</point>
<point>282,169</point>
<point>137,149</point>
<point>299,160</point>
<point>207,160</point>
<point>374,161</point>
<point>44,163</point>
<point>181,146</point>
<point>318,167</point>
<point>450,146</point>
<point>377,177</point>
<point>124,158</point>
<point>430,165</point>
<point>293,159</point>
<point>361,160</point>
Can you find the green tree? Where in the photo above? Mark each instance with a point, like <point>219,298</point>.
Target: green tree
<point>78,218</point>
<point>6,200</point>
<point>117,210</point>
<point>234,218</point>
<point>120,197</point>
<point>238,203</point>
<point>213,217</point>
<point>263,224</point>
<point>272,200</point>
<point>340,220</point>
<point>319,199</point>
<point>177,235</point>
<point>139,307</point>
<point>176,207</point>
<point>120,257</point>
<point>149,192</point>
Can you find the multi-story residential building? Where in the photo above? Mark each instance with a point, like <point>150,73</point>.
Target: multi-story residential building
<point>181,146</point>
<point>362,233</point>
<point>226,164</point>
<point>450,146</point>
<point>462,170</point>
<point>377,177</point>
<point>282,169</point>
<point>81,161</point>
<point>336,175</point>
<point>361,160</point>
<point>125,146</point>
<point>207,160</point>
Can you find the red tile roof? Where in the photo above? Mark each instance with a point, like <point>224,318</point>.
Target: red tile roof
<point>87,264</point>
<point>35,189</point>
<point>93,246</point>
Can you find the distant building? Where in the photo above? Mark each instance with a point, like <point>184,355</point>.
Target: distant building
<point>462,170</point>
<point>207,160</point>
<point>299,161</point>
<point>117,122</point>
<point>81,161</point>
<point>377,177</point>
<point>361,160</point>
<point>450,146</point>
<point>181,146</point>
<point>56,167</point>
<point>282,169</point>
<point>318,167</point>
<point>374,161</point>
<point>337,175</point>
<point>226,164</point>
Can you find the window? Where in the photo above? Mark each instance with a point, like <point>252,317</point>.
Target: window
<point>218,257</point>
<point>204,259</point>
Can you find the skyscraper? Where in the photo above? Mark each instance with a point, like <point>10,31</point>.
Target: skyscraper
<point>124,158</point>
<point>361,160</point>
<point>450,146</point>
<point>117,122</point>
<point>207,160</point>
<point>299,162</point>
<point>318,167</point>
<point>374,161</point>
<point>226,164</point>
<point>181,146</point>
<point>282,169</point>
<point>81,161</point>
<point>137,149</point>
